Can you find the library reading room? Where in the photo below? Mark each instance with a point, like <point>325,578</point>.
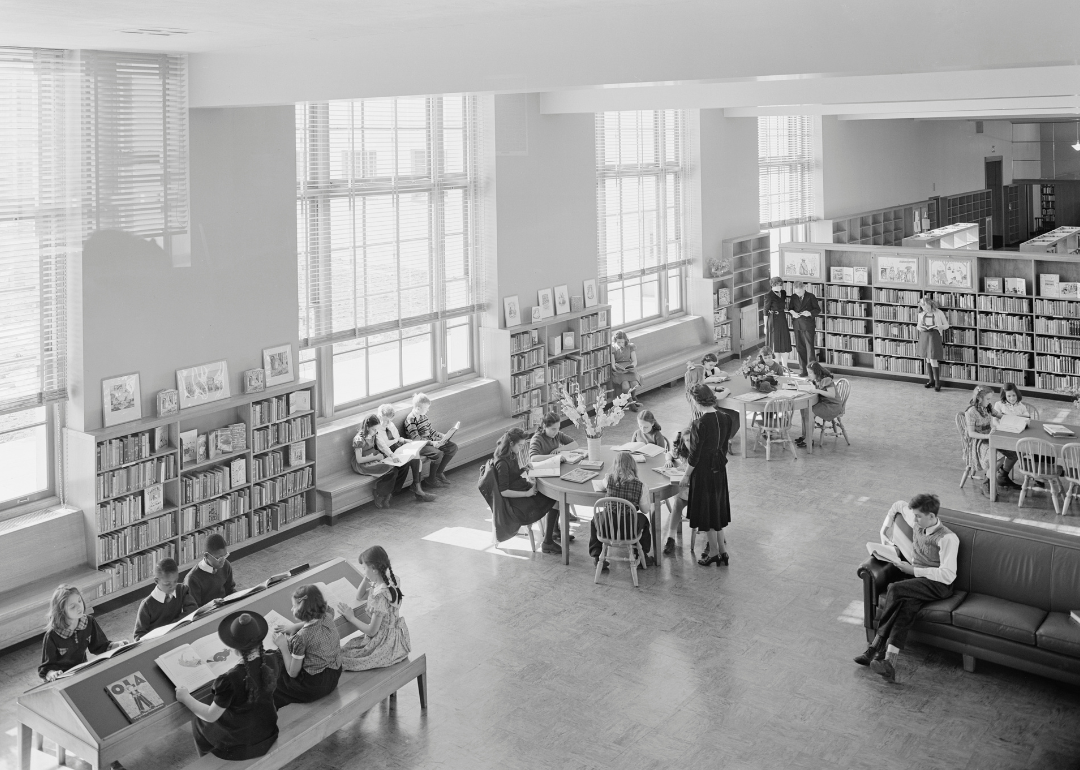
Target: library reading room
<point>518,385</point>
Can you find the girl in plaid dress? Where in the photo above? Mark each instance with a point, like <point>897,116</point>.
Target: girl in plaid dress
<point>623,482</point>
<point>385,640</point>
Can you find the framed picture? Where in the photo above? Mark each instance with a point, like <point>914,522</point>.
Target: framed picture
<point>894,270</point>
<point>591,295</point>
<point>801,264</point>
<point>511,311</point>
<point>536,317</point>
<point>278,365</point>
<point>562,300</point>
<point>121,399</point>
<point>254,380</point>
<point>168,402</point>
<point>203,384</point>
<point>950,273</point>
<point>546,302</point>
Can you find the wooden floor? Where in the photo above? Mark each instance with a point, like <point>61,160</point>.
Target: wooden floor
<point>749,666</point>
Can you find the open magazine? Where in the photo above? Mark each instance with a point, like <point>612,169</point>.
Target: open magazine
<point>198,664</point>
<point>896,545</point>
<point>406,453</point>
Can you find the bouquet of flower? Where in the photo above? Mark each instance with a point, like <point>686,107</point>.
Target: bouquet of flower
<point>577,411</point>
<point>760,376</point>
<point>1074,392</point>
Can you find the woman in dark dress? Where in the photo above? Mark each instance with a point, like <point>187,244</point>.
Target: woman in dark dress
<point>241,721</point>
<point>708,506</point>
<point>523,503</point>
<point>774,304</point>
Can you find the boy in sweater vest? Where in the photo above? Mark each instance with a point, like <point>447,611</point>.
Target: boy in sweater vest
<point>167,603</point>
<point>212,577</point>
<point>933,570</point>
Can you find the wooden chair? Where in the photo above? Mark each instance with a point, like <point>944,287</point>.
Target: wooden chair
<point>835,426</point>
<point>775,427</point>
<point>1033,411</point>
<point>1037,462</point>
<point>972,468</point>
<point>528,527</point>
<point>615,520</point>
<point>1070,464</point>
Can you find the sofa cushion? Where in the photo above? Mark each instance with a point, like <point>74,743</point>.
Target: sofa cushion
<point>1059,633</point>
<point>1065,588</point>
<point>1012,568</point>
<point>940,611</point>
<point>999,617</point>
<point>966,535</point>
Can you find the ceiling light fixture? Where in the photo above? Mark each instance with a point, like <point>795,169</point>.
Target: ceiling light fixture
<point>157,31</point>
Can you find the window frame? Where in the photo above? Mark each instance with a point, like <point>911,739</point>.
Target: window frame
<point>43,498</point>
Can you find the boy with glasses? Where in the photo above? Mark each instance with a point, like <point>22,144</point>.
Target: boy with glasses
<point>212,577</point>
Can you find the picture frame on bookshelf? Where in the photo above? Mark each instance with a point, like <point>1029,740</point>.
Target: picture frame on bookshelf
<point>592,297</point>
<point>153,499</point>
<point>203,384</point>
<point>992,286</point>
<point>168,402</point>
<point>121,399</point>
<point>895,270</point>
<point>537,317</point>
<point>562,300</point>
<point>254,380</point>
<point>511,311</point>
<point>278,365</point>
<point>801,264</point>
<point>950,273</point>
<point>546,302</point>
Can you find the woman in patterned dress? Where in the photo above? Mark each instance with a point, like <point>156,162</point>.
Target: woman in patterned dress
<point>385,640</point>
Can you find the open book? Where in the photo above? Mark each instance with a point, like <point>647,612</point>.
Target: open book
<point>93,660</point>
<point>883,552</point>
<point>406,453</point>
<point>340,591</point>
<point>197,664</point>
<point>1012,423</point>
<point>674,474</point>
<point>639,447</point>
<point>545,468</point>
<point>448,435</point>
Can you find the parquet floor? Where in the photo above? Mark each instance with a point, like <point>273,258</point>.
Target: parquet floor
<point>533,666</point>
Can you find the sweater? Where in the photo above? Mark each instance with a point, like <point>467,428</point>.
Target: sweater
<point>156,610</point>
<point>60,652</point>
<point>206,584</point>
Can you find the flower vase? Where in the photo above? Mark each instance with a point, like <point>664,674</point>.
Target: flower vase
<point>594,448</point>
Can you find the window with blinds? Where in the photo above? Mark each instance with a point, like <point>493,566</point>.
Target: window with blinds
<point>785,170</point>
<point>640,173</point>
<point>389,274</point>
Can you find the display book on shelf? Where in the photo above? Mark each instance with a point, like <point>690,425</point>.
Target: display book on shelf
<point>740,276</point>
<point>256,478</point>
<point>1027,338</point>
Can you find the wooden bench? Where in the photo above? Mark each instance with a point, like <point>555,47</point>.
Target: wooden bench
<point>664,349</point>
<point>473,403</point>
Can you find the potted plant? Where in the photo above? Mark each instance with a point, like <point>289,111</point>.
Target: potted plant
<point>577,411</point>
<point>760,376</point>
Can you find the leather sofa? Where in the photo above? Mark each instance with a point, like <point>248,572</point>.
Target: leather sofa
<point>1015,586</point>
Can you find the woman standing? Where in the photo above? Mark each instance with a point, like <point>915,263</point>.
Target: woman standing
<point>706,475</point>
<point>696,375</point>
<point>774,304</point>
<point>522,503</point>
<point>931,323</point>
<point>624,376</point>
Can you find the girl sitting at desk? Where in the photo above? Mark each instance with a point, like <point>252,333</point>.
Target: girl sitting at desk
<point>385,640</point>
<point>648,431</point>
<point>1010,403</point>
<point>241,720</point>
<point>70,634</point>
<point>828,407</point>
<point>310,649</point>
<point>523,503</point>
<point>978,419</point>
<point>623,483</point>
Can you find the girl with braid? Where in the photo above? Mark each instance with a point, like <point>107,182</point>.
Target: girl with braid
<point>240,722</point>
<point>385,640</point>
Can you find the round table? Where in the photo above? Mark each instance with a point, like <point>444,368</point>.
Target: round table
<point>569,493</point>
<point>739,387</point>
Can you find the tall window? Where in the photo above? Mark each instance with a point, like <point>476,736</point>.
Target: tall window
<point>387,222</point>
<point>640,209</point>
<point>785,179</point>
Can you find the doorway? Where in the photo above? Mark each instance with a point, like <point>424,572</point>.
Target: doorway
<point>993,170</point>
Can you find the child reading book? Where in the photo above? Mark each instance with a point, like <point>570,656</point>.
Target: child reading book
<point>167,603</point>
<point>648,431</point>
<point>70,633</point>
<point>623,482</point>
<point>549,440</point>
<point>385,640</point>
<point>310,650</point>
<point>212,577</point>
<point>440,450</point>
<point>370,458</point>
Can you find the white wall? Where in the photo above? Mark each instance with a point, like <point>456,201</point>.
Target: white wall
<point>729,179</point>
<point>955,154</point>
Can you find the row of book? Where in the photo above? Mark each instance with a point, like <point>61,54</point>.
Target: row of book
<point>1008,323</point>
<point>125,449</point>
<point>594,378</point>
<point>896,331</point>
<point>135,568</point>
<point>958,337</point>
<point>1001,376</point>
<point>596,358</point>
<point>1057,326</point>
<point>214,481</point>
<point>861,309</point>
<point>1069,309</point>
<point>959,354</point>
<point>857,344</point>
<point>137,537</point>
<point>720,315</point>
<point>843,292</point>
<point>119,512</point>
<point>135,477</point>
<point>519,362</point>
<point>279,407</point>
<point>1055,381</point>
<point>896,313</point>
<point>296,429</point>
<point>563,369</point>
<point>723,344</point>
<point>196,448</point>
<point>721,331</point>
<point>950,300</point>
<point>847,326</point>
<point>523,402</point>
<point>590,323</point>
<point>519,383</point>
<point>524,340</point>
<point>267,492</point>
<point>897,296</point>
<point>594,340</point>
<point>1005,359</point>
<point>1002,340</point>
<point>219,509</point>
<point>895,348</point>
<point>1001,304</point>
<point>899,365</point>
<point>837,358</point>
<point>1057,364</point>
<point>953,371</point>
<point>1057,345</point>
<point>272,463</point>
<point>817,289</point>
<point>960,317</point>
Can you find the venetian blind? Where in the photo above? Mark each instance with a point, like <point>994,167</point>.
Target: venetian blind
<point>387,215</point>
<point>785,170</point>
<point>639,192</point>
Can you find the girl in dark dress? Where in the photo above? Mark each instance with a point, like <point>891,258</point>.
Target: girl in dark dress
<point>774,304</point>
<point>241,721</point>
<point>706,475</point>
<point>523,503</point>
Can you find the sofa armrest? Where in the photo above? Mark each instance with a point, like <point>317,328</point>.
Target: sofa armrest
<point>876,576</point>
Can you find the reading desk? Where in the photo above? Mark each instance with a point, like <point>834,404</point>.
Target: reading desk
<point>742,398</point>
<point>1002,440</point>
<point>77,714</point>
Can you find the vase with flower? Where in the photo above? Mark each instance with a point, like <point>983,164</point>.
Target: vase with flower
<point>606,414</point>
<point>762,378</point>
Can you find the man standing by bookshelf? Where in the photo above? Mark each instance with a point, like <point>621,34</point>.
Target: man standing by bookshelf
<point>804,309</point>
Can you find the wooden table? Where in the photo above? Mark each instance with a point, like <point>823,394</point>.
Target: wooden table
<point>570,493</point>
<point>1000,440</point>
<point>739,386</point>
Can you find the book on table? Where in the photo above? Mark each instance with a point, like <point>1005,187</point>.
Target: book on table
<point>673,474</point>
<point>1057,431</point>
<point>135,696</point>
<point>599,485</point>
<point>545,468</point>
<point>579,475</point>
<point>640,447</point>
<point>341,591</point>
<point>1012,423</point>
<point>592,465</point>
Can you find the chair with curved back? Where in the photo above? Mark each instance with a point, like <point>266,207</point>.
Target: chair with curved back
<point>616,525</point>
<point>1070,464</point>
<point>972,468</point>
<point>835,426</point>
<point>1033,412</point>
<point>775,427</point>
<point>1036,461</point>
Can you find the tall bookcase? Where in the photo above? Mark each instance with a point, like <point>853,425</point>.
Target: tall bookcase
<point>527,358</point>
<point>1047,207</point>
<point>253,477</point>
<point>975,206</point>
<point>739,279</point>
<point>883,227</point>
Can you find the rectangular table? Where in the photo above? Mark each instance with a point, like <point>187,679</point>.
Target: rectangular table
<point>1000,440</point>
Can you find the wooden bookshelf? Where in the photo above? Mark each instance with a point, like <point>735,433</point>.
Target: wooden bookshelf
<point>247,493</point>
<point>881,227</point>
<point>1063,240</point>
<point>962,235</point>
<point>976,206</point>
<point>737,289</point>
<point>524,360</point>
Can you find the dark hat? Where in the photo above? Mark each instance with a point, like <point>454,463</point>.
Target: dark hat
<point>704,395</point>
<point>243,630</point>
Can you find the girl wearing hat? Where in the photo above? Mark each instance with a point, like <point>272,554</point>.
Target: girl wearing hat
<point>241,721</point>
<point>706,475</point>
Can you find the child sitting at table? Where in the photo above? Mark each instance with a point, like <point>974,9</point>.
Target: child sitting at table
<point>767,357</point>
<point>212,577</point>
<point>648,431</point>
<point>385,640</point>
<point>676,459</point>
<point>167,603</point>
<point>623,482</point>
<point>549,440</point>
<point>70,633</point>
<point>310,650</point>
<point>241,720</point>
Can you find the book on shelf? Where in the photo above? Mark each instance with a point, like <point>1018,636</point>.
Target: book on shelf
<point>1016,286</point>
<point>161,438</point>
<point>554,345</point>
<point>238,471</point>
<point>219,442</point>
<point>153,498</point>
<point>200,448</point>
<point>861,276</point>
<point>567,340</point>
<point>992,285</point>
<point>842,274</point>
<point>1069,290</point>
<point>297,454</point>
<point>720,315</point>
<point>300,401</point>
<point>1048,285</point>
<point>135,696</point>
<point>723,296</point>
<point>189,452</point>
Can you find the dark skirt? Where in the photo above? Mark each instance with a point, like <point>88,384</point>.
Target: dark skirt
<point>522,511</point>
<point>709,506</point>
<point>778,337</point>
<point>305,687</point>
<point>238,733</point>
<point>930,345</point>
